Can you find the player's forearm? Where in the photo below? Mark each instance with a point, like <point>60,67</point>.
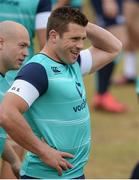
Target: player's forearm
<point>19,130</point>
<point>102,39</point>
<point>9,154</point>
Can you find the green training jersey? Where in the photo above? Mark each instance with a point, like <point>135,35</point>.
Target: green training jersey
<point>4,86</point>
<point>60,115</point>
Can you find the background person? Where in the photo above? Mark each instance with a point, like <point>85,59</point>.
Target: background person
<point>33,15</point>
<point>131,13</point>
<point>14,43</point>
<point>9,155</point>
<point>135,172</point>
<point>109,15</point>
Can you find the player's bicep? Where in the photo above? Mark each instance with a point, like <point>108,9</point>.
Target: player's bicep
<point>100,58</point>
<point>25,90</point>
<point>31,82</point>
<point>14,102</point>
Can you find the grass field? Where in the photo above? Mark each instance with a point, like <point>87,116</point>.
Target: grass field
<point>115,137</point>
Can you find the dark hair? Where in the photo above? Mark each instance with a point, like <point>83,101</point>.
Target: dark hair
<point>61,17</point>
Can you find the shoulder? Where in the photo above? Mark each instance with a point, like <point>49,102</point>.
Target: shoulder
<point>35,74</point>
<point>30,83</point>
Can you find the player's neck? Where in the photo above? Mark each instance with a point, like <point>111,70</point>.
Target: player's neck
<point>51,53</point>
<point>2,69</point>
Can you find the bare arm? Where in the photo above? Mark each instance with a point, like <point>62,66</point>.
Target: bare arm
<point>12,158</point>
<point>14,123</point>
<point>16,126</point>
<point>105,47</point>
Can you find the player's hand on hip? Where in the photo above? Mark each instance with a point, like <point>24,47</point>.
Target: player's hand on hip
<point>16,168</point>
<point>56,159</point>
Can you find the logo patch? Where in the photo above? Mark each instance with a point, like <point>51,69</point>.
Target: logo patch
<point>55,69</point>
<point>80,107</point>
<point>78,87</point>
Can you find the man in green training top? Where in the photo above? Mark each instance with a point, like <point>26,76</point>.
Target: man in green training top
<point>14,43</point>
<point>50,87</point>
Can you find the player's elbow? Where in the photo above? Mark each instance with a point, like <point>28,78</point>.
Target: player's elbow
<point>118,47</point>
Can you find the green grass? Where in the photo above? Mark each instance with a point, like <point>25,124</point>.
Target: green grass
<point>115,137</point>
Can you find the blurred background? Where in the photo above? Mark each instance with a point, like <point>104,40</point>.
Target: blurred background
<point>115,136</point>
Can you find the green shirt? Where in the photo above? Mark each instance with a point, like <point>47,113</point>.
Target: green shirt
<point>61,118</point>
<point>4,86</point>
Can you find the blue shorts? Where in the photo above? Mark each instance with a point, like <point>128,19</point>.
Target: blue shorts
<point>28,177</point>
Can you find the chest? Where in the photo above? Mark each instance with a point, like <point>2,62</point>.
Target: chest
<point>65,83</point>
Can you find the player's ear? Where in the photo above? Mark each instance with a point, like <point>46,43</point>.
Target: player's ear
<point>53,36</point>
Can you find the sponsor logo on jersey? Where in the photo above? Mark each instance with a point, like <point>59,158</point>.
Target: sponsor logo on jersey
<point>55,70</point>
<point>78,87</point>
<point>80,107</point>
